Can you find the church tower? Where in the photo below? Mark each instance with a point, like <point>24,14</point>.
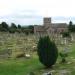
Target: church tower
<point>47,21</point>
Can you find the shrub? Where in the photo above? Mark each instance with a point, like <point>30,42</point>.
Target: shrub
<point>31,73</point>
<point>63,56</point>
<point>66,34</point>
<point>47,51</point>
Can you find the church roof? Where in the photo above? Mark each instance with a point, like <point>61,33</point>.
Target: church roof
<point>59,25</point>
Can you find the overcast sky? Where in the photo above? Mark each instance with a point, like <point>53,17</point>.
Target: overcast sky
<point>27,12</point>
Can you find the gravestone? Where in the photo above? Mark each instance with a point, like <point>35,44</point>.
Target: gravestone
<point>27,55</point>
<point>49,73</point>
<point>5,53</point>
<point>64,72</point>
<point>66,50</point>
<point>65,41</point>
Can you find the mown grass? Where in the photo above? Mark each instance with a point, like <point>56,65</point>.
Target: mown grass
<point>24,66</point>
<point>19,66</point>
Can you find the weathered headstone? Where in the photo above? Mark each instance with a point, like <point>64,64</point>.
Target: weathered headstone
<point>27,55</point>
<point>64,72</point>
<point>49,73</point>
<point>5,53</point>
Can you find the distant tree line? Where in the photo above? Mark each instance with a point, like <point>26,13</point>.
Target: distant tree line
<point>4,27</point>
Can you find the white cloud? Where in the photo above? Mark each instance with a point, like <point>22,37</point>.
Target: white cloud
<point>35,9</point>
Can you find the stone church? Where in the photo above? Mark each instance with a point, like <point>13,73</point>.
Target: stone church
<point>49,28</point>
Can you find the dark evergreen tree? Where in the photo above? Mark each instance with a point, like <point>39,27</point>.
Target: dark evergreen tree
<point>66,34</point>
<point>47,51</point>
<point>19,27</point>
<point>71,27</point>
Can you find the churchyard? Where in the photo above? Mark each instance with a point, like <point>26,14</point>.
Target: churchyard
<point>18,56</point>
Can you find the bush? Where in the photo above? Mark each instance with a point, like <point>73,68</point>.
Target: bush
<point>47,51</point>
<point>63,56</point>
<point>66,34</point>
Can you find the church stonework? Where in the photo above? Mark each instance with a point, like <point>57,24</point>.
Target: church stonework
<point>49,28</point>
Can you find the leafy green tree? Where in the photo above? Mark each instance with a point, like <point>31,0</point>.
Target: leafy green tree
<point>13,28</point>
<point>4,26</point>
<point>31,27</point>
<point>47,51</point>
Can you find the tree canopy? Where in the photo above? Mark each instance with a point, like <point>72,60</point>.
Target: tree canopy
<point>4,27</point>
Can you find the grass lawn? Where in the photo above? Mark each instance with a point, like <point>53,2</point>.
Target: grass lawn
<point>24,66</point>
<point>19,67</point>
